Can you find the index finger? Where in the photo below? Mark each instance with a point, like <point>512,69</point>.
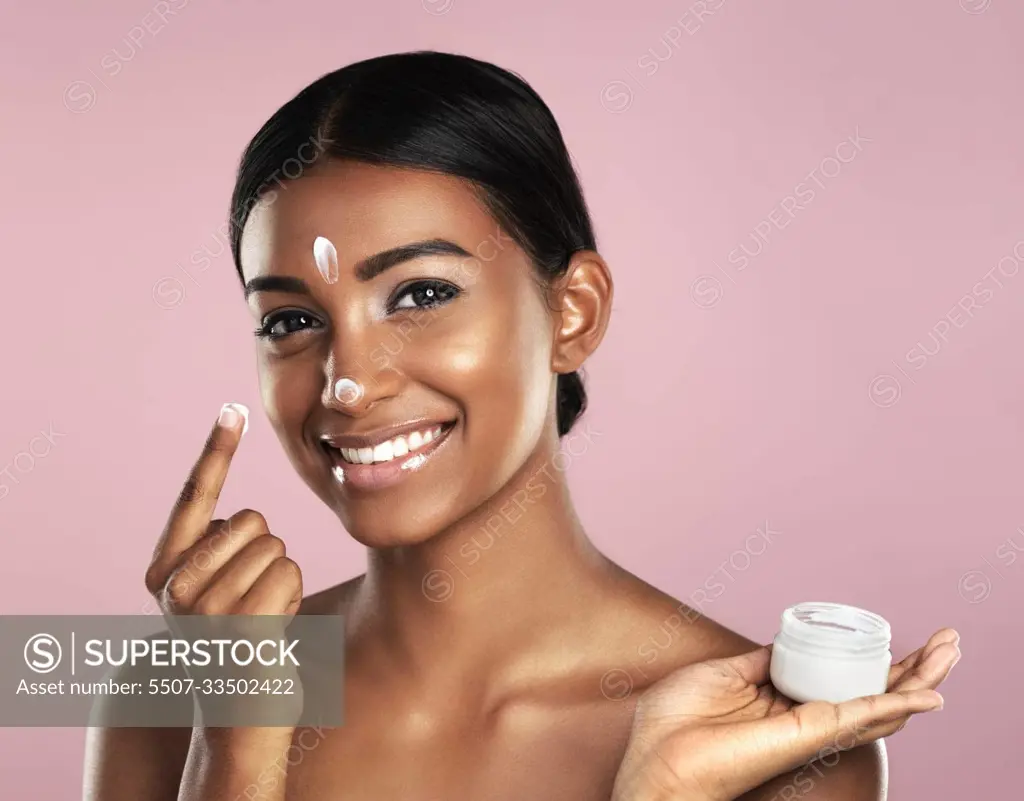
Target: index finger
<point>194,508</point>
<point>908,663</point>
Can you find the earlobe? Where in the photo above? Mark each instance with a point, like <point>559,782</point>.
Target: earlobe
<point>582,298</point>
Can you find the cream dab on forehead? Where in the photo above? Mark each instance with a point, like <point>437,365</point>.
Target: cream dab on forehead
<point>326,257</point>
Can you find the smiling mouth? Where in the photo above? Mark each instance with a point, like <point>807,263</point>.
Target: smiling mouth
<point>387,462</point>
<point>392,449</point>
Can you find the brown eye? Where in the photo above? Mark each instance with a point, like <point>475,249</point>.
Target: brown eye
<point>281,324</point>
<point>425,295</point>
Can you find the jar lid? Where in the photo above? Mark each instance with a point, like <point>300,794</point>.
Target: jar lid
<point>835,625</point>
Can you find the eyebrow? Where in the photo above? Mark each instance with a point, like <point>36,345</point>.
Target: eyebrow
<point>365,270</point>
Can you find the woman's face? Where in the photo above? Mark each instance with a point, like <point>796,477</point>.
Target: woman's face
<point>456,342</point>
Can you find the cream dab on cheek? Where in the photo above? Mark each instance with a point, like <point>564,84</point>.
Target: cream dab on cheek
<point>326,257</point>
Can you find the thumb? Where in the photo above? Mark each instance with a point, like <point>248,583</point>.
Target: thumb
<point>753,666</point>
<point>778,744</point>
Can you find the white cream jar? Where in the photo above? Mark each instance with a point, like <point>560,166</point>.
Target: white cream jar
<point>830,652</point>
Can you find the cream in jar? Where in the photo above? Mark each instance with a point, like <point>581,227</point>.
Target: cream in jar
<point>830,652</point>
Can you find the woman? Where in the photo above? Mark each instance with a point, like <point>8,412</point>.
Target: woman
<point>421,267</point>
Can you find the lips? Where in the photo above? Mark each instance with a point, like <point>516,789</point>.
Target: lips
<point>382,459</point>
<point>394,448</point>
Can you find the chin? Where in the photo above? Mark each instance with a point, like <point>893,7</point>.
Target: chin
<point>393,529</point>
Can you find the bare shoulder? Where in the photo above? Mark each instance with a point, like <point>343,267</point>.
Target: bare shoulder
<point>650,633</point>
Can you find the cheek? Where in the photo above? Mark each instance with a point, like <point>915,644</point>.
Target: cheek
<point>286,388</point>
<point>496,367</point>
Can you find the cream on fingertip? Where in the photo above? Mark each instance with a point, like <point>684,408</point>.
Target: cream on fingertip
<point>231,412</point>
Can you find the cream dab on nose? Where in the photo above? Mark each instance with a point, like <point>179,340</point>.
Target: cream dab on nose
<point>326,257</point>
<point>348,391</point>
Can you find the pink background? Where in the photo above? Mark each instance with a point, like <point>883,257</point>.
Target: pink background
<point>831,388</point>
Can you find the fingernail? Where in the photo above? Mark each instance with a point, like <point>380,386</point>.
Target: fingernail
<point>230,414</point>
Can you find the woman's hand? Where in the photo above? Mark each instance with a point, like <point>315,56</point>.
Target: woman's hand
<point>222,567</point>
<point>714,730</point>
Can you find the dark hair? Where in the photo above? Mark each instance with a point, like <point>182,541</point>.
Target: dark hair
<point>449,114</point>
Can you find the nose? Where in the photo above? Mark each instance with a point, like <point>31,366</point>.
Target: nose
<point>355,384</point>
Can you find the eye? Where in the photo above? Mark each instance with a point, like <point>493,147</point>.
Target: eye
<point>425,294</point>
<point>281,323</point>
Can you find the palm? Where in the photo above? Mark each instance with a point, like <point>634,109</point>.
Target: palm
<point>704,694</point>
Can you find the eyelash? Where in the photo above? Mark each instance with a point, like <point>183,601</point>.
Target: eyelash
<point>265,331</point>
<point>438,288</point>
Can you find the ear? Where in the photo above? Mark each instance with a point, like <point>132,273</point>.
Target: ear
<point>582,302</point>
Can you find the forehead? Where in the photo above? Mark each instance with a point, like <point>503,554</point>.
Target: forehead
<point>363,209</point>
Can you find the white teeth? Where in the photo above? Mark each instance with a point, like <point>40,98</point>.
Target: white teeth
<point>392,449</point>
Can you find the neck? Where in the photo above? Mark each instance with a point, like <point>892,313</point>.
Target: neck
<point>489,586</point>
